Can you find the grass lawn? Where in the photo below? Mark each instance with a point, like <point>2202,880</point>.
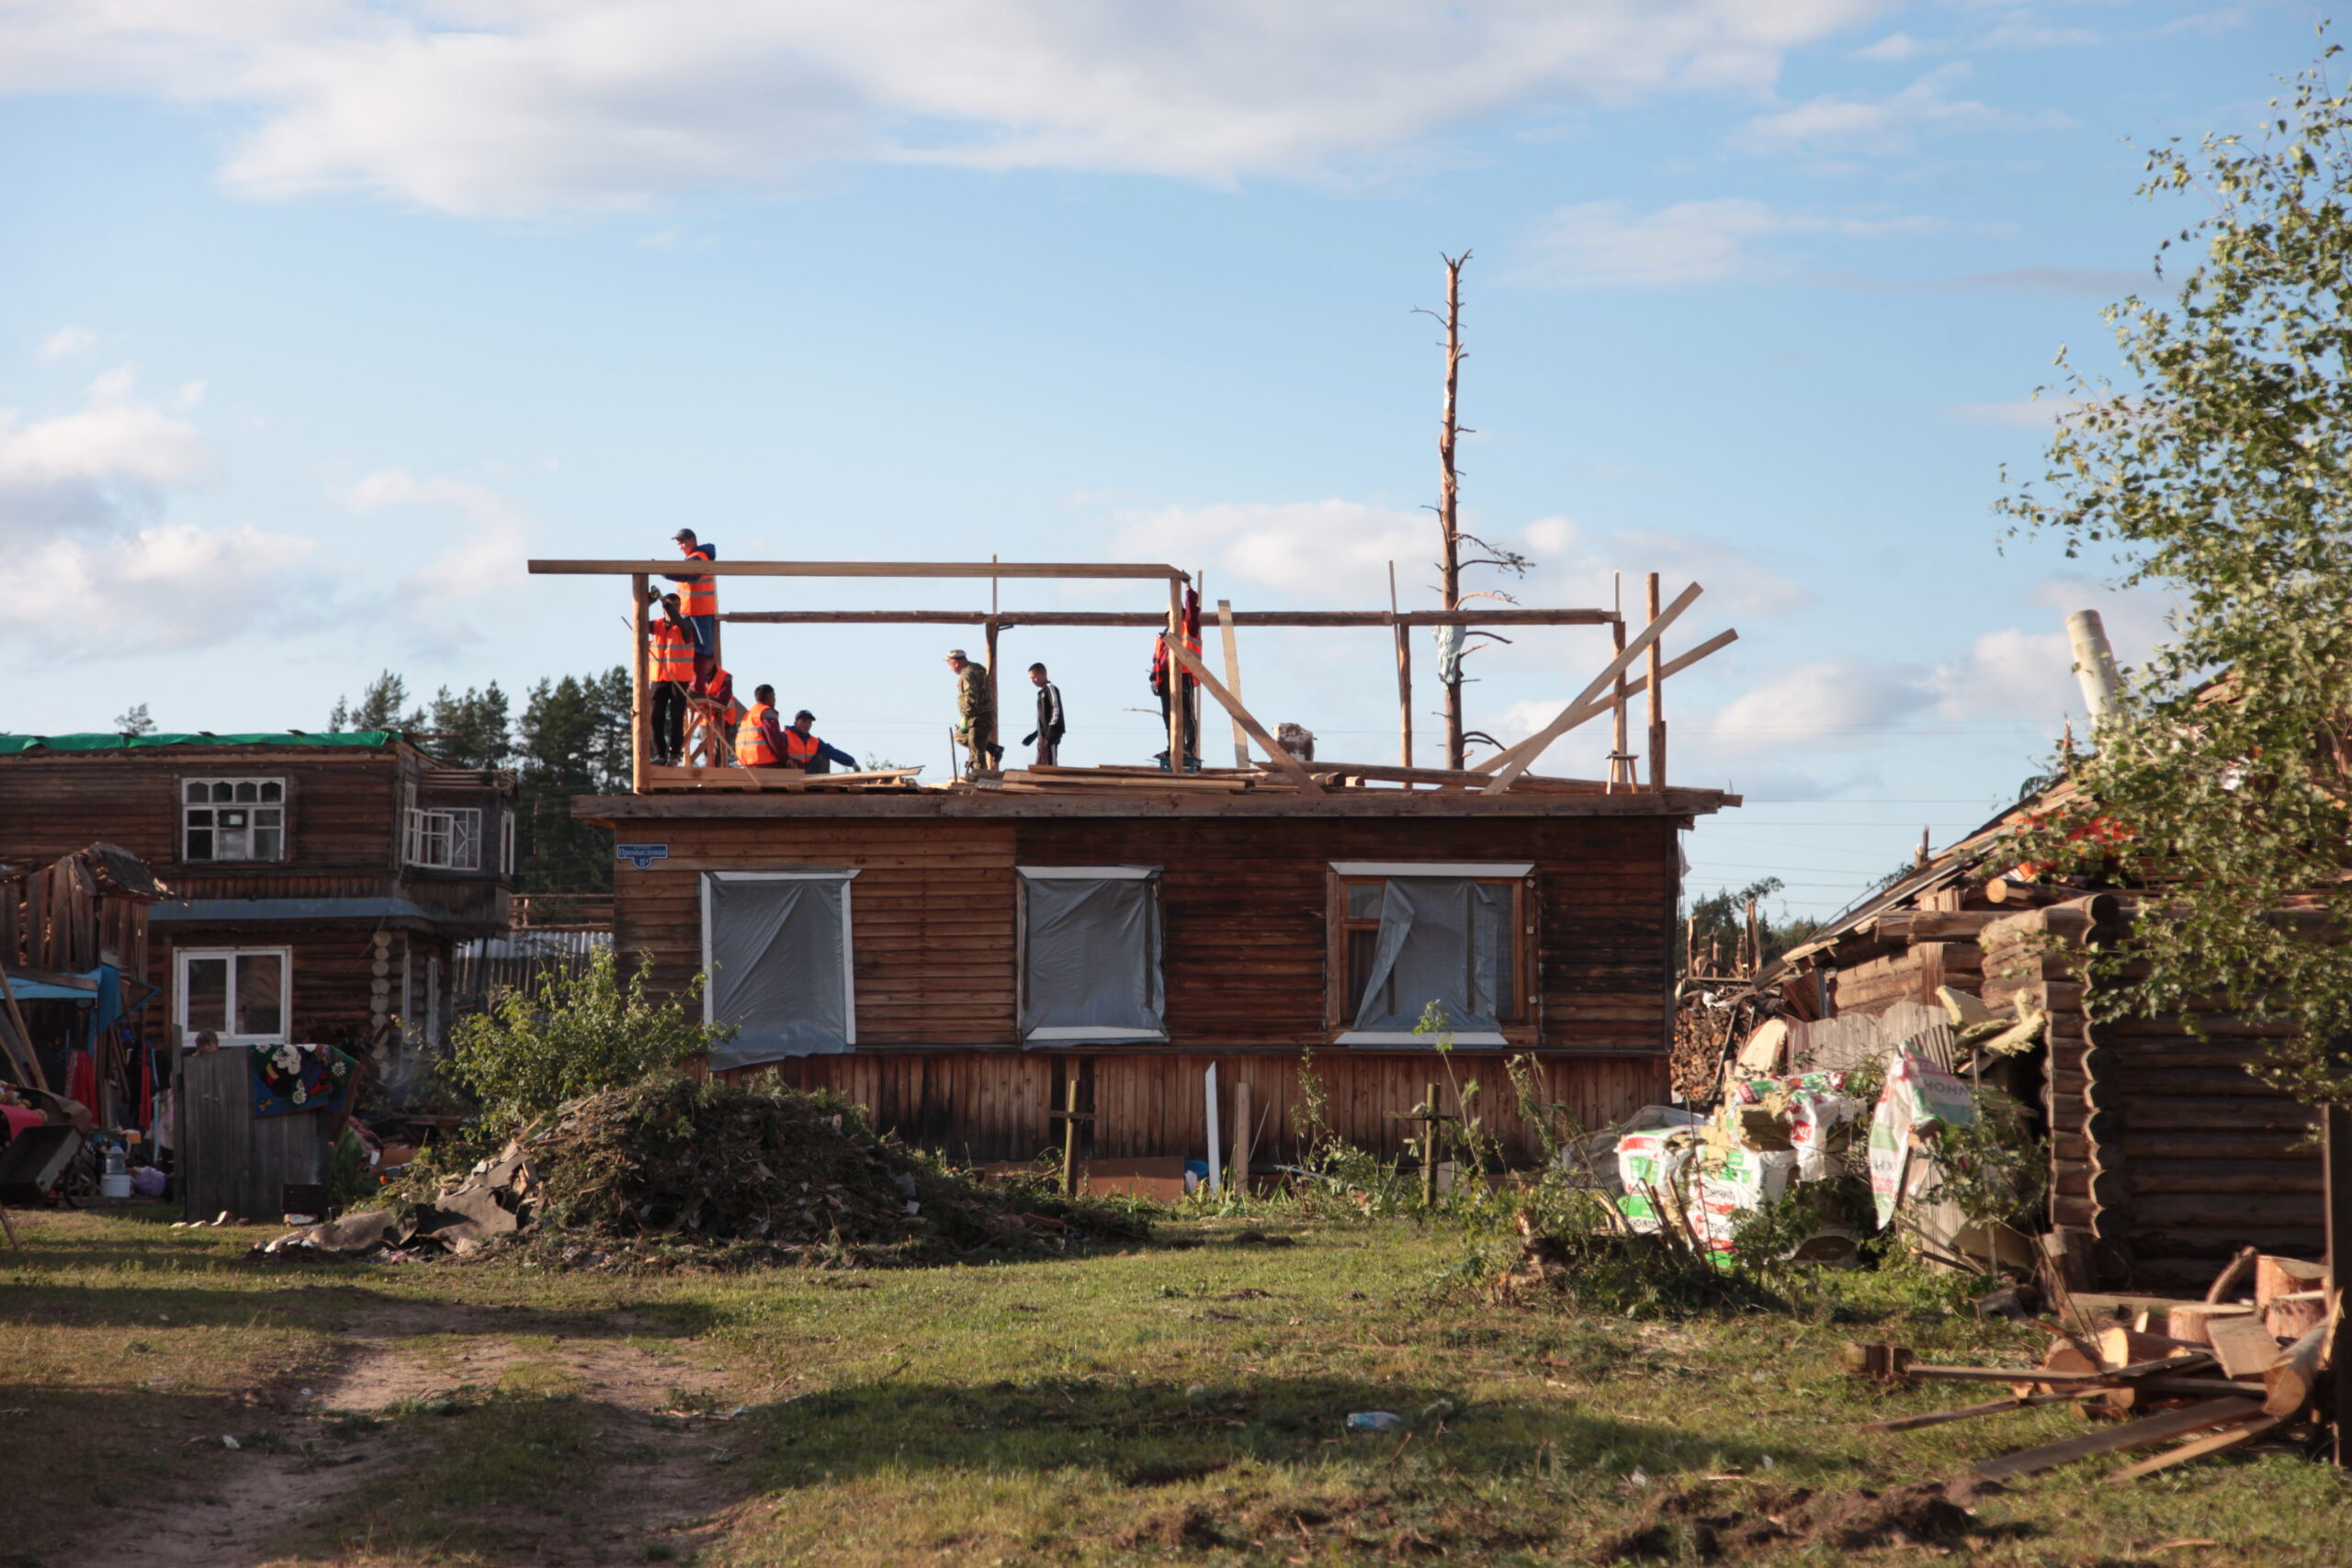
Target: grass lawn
<point>1169,1401</point>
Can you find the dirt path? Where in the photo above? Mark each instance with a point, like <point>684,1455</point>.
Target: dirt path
<point>659,1418</point>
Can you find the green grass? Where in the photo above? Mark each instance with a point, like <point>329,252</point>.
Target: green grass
<point>1155,1404</point>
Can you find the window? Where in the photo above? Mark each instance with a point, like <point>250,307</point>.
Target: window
<point>1090,953</point>
<point>239,994</point>
<point>1437,940</point>
<point>233,820</point>
<point>776,944</point>
<point>444,838</point>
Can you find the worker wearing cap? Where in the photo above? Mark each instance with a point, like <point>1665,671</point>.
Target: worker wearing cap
<point>699,594</point>
<point>803,750</point>
<point>759,741</point>
<point>976,710</point>
<point>671,646</point>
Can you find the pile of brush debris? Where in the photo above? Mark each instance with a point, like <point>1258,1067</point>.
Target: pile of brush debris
<point>675,1174</point>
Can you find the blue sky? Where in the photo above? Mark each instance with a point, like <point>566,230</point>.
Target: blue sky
<point>316,319</point>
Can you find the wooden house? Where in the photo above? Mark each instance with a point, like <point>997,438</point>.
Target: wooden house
<point>318,881</point>
<point>72,950</point>
<point>963,958</point>
<point>2165,1154</point>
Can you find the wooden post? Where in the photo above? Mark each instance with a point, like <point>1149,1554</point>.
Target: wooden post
<point>1239,1171</point>
<point>1429,1149</point>
<point>1658,693</point>
<point>1404,673</point>
<point>1175,634</point>
<point>1620,762</point>
<point>1233,679</point>
<point>1070,1136</point>
<point>2336,1134</point>
<point>35,1077</point>
<point>640,701</point>
<point>989,741</point>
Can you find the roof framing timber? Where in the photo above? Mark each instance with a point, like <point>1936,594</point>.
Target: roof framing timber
<point>983,569</point>
<point>1149,619</point>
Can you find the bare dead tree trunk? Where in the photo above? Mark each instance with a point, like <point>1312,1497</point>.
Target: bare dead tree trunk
<point>1449,496</point>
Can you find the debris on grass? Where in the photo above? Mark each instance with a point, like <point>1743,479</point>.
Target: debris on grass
<point>675,1174</point>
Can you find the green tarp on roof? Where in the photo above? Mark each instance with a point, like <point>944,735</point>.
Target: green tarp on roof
<point>16,745</point>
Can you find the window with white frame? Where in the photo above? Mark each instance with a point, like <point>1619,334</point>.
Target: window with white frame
<point>776,947</point>
<point>239,994</point>
<point>1090,953</point>
<point>1427,951</point>
<point>444,838</point>
<point>233,820</point>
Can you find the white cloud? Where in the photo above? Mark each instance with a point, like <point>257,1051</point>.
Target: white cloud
<point>1603,244</point>
<point>487,557</point>
<point>81,500</point>
<point>101,468</point>
<point>1334,554</point>
<point>1825,700</point>
<point>1895,48</point>
<point>1892,123</point>
<point>505,106</point>
<point>67,341</point>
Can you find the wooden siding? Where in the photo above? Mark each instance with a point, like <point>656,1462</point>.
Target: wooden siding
<point>992,1105</point>
<point>933,916</point>
<point>226,1158</point>
<point>333,975</point>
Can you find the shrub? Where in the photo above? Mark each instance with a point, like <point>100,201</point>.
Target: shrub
<point>571,1033</point>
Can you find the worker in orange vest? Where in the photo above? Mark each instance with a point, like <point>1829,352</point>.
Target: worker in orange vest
<point>712,711</point>
<point>672,651</point>
<point>759,741</point>
<point>700,595</point>
<point>803,750</point>
<point>1172,684</point>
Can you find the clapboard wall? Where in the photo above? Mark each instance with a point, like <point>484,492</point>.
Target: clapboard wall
<point>1247,955</point>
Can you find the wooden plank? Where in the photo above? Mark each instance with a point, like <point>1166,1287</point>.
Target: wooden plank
<point>1100,570</point>
<point>916,804</point>
<point>1147,621</point>
<point>2241,1345</point>
<point>2229,1437</point>
<point>1569,717</point>
<point>1970,1412</point>
<point>2137,1434</point>
<point>1232,704</point>
<point>1233,679</point>
<point>1633,688</point>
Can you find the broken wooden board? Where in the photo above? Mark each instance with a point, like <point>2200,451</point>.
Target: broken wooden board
<point>2229,1438</point>
<point>2241,1345</point>
<point>2137,1434</point>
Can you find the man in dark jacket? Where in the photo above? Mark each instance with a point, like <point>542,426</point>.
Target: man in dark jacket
<point>1047,736</point>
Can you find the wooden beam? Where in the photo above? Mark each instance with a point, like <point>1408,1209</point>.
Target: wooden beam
<point>1233,678</point>
<point>1674,666</point>
<point>1173,638</point>
<point>2130,1435</point>
<point>1146,620</point>
<point>29,1068</point>
<point>1601,683</point>
<point>1403,676</point>
<point>1385,770</point>
<point>1588,707</point>
<point>1369,805</point>
<point>640,701</point>
<point>1232,704</point>
<point>2228,1438</point>
<point>693,776</point>
<point>1657,684</point>
<point>982,569</point>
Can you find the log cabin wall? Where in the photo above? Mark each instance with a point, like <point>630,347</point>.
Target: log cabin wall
<point>365,928</point>
<point>1244,903</point>
<point>2165,1147</point>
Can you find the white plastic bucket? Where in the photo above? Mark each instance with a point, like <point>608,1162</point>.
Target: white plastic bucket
<point>115,1186</point>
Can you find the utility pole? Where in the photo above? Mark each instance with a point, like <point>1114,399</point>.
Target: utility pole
<point>1449,498</point>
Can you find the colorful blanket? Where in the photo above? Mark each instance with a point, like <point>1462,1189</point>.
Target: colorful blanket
<point>289,1080</point>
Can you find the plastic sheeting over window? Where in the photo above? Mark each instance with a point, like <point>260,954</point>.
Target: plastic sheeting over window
<point>1090,955</point>
<point>777,949</point>
<point>1444,941</point>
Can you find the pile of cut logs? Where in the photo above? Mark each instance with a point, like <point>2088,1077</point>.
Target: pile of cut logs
<point>2225,1372</point>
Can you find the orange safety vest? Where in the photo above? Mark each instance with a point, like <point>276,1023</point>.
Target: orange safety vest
<point>674,653</point>
<point>799,749</point>
<point>698,595</point>
<point>752,748</point>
